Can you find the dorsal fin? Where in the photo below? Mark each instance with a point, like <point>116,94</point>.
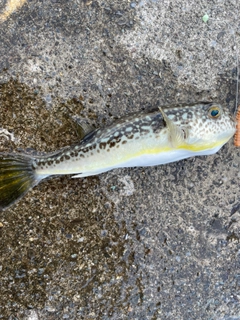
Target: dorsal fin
<point>83,129</point>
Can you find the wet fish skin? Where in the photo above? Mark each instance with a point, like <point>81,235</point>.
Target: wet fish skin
<point>145,138</point>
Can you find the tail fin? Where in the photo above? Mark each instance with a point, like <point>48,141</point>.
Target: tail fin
<point>17,176</point>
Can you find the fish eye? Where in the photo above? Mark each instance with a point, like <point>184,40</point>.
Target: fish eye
<point>214,112</point>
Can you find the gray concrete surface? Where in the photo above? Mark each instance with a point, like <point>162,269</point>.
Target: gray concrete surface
<point>153,243</point>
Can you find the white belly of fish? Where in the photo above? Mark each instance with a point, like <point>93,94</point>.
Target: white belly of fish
<point>146,160</point>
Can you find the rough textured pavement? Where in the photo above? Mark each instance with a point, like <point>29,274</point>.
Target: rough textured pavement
<point>152,243</point>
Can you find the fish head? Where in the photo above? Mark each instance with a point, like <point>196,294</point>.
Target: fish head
<point>205,126</point>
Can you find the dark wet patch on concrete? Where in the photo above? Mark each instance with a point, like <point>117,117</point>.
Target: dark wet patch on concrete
<point>37,125</point>
<point>75,236</point>
<point>63,228</point>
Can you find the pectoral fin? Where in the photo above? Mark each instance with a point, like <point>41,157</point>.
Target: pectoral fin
<point>177,134</point>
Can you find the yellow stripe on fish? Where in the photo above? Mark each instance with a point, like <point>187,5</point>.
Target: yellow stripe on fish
<point>150,138</point>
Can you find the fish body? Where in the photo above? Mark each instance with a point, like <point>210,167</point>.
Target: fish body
<point>142,139</point>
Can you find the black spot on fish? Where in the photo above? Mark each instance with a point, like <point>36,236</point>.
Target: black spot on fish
<point>102,145</point>
<point>112,144</point>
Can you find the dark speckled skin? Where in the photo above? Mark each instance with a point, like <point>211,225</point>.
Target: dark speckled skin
<point>145,124</point>
<point>139,123</point>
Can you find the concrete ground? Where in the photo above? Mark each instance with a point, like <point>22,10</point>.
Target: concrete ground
<point>152,243</point>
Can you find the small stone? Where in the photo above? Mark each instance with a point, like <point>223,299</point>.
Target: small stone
<point>178,258</point>
<point>40,271</point>
<point>50,309</point>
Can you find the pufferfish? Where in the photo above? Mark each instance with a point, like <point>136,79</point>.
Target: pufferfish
<point>146,138</point>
